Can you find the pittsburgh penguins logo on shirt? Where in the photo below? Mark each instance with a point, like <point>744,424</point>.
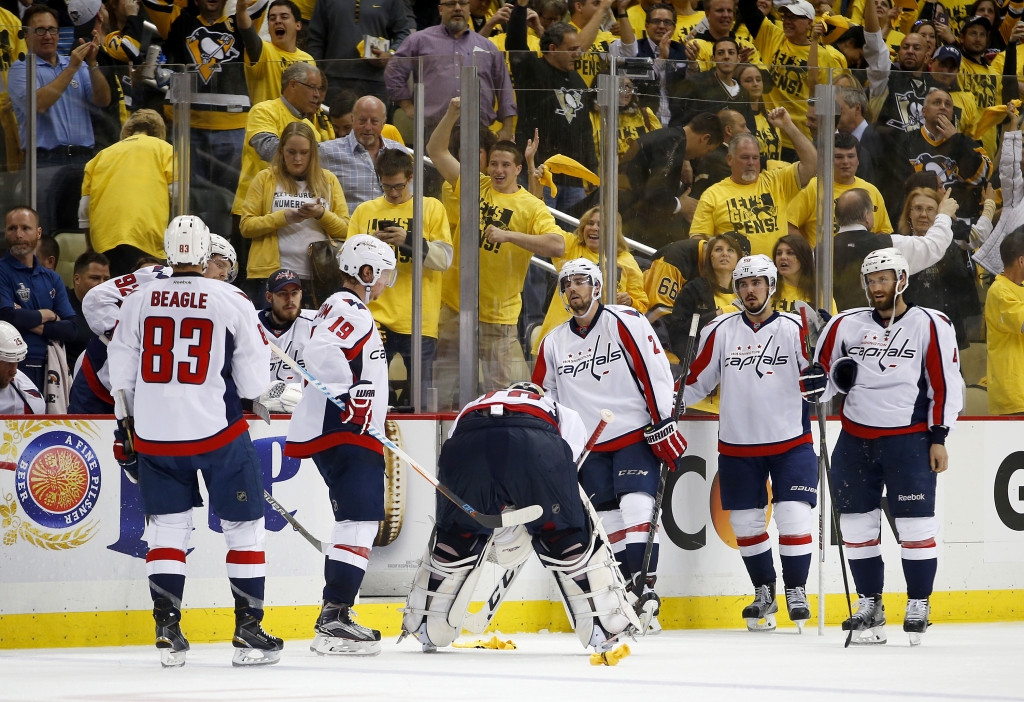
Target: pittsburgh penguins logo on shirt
<point>571,102</point>
<point>491,214</point>
<point>753,215</point>
<point>209,49</point>
<point>942,166</point>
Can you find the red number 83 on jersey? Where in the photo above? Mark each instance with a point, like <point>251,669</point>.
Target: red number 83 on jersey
<point>158,337</point>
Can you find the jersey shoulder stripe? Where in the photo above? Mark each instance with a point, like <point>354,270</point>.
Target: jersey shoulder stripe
<point>638,366</point>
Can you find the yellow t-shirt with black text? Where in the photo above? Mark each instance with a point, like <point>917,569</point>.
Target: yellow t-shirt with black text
<point>502,266</point>
<point>803,210</point>
<point>393,309</point>
<point>1004,315</point>
<point>758,210</point>
<point>705,53</point>
<point>595,59</point>
<point>768,138</point>
<point>264,76</point>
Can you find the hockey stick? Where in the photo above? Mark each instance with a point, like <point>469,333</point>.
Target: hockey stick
<point>491,521</point>
<point>825,469</point>
<point>477,621</point>
<point>678,409</point>
<point>319,545</point>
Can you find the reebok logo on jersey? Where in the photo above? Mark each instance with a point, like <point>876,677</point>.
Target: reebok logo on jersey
<point>910,498</point>
<point>575,363</point>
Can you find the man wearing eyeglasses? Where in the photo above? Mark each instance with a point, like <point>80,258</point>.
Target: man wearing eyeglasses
<point>302,92</point>
<point>445,48</point>
<point>65,90</point>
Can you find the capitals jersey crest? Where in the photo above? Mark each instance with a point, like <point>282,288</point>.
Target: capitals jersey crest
<point>209,49</point>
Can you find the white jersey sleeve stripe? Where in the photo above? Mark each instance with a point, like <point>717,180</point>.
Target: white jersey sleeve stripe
<point>640,374</point>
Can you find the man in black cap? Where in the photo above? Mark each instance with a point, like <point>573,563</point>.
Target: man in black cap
<point>285,323</point>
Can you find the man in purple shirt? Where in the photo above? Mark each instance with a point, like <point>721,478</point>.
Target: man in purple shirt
<point>446,48</point>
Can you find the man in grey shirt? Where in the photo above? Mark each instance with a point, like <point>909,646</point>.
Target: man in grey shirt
<point>353,158</point>
<point>337,28</point>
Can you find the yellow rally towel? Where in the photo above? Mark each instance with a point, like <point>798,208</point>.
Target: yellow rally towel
<point>837,26</point>
<point>565,166</point>
<point>610,657</point>
<point>991,117</point>
<point>494,644</point>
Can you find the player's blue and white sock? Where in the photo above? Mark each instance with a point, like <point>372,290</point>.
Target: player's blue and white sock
<point>166,570</point>
<point>862,540</point>
<point>795,555</point>
<point>919,566</point>
<point>611,520</point>
<point>636,509</point>
<point>756,552</point>
<point>247,573</point>
<point>346,563</point>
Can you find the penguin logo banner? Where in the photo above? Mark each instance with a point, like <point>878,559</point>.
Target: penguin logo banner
<point>209,49</point>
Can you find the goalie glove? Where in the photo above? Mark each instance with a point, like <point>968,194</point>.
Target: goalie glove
<point>358,405</point>
<point>666,441</point>
<point>812,382</point>
<point>124,449</point>
<point>844,374</point>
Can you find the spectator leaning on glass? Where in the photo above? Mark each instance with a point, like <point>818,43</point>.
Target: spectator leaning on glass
<point>32,298</point>
<point>1004,320</point>
<point>290,205</point>
<point>353,158</point>
<point>125,201</point>
<point>445,48</point>
<point>65,88</point>
<point>337,29</point>
<point>389,218</point>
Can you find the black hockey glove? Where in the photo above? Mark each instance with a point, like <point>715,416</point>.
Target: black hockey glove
<point>813,382</point>
<point>358,405</point>
<point>124,449</point>
<point>844,374</point>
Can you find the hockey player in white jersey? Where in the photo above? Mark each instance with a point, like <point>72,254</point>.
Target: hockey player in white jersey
<point>898,365</point>
<point>222,263</point>
<point>346,353</point>
<point>185,355</point>
<point>18,394</point>
<point>288,326</point>
<point>755,357</point>
<point>90,391</point>
<point>508,448</point>
<point>610,353</point>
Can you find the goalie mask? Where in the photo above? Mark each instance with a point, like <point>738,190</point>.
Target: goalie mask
<point>759,266</point>
<point>575,269</point>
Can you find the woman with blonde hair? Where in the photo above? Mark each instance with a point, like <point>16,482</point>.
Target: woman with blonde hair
<point>289,206</point>
<point>586,243</point>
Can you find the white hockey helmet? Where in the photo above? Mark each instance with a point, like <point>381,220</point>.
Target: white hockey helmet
<point>527,386</point>
<point>580,266</point>
<point>885,260</point>
<point>756,266</point>
<point>364,250</point>
<point>13,348</point>
<point>220,245</point>
<point>187,241</point>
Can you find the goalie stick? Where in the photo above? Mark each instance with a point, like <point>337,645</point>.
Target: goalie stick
<point>491,521</point>
<point>476,622</point>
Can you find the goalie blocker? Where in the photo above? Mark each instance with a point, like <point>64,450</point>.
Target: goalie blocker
<point>514,447</point>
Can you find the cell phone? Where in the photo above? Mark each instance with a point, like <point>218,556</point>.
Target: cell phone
<point>386,223</point>
<point>942,19</point>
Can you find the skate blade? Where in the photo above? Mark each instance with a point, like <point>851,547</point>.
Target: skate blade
<point>428,648</point>
<point>337,646</point>
<point>869,637</point>
<point>799,625</point>
<point>654,628</point>
<point>757,626</point>
<point>244,657</point>
<point>647,615</point>
<point>915,638</point>
<point>169,658</point>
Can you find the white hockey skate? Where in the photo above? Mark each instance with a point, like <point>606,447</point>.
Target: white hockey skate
<point>868,622</point>
<point>253,645</point>
<point>760,614</point>
<point>916,622</point>
<point>338,635</point>
<point>796,604</point>
<point>171,643</point>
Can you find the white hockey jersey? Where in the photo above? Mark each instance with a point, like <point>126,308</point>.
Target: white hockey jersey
<point>908,376</point>
<point>345,348</point>
<point>290,340</point>
<point>758,372</point>
<point>616,363</point>
<point>186,351</point>
<point>21,397</point>
<point>568,421</point>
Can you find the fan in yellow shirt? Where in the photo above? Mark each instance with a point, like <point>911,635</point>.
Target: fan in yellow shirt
<point>794,260</point>
<point>596,43</point>
<point>586,243</point>
<point>803,210</point>
<point>125,201</point>
<point>635,120</point>
<point>751,201</point>
<point>1004,320</point>
<point>514,225</point>
<point>267,119</point>
<point>263,71</point>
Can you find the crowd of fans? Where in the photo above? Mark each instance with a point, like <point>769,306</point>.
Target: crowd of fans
<point>301,135</point>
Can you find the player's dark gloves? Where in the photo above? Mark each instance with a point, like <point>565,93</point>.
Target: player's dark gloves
<point>358,405</point>
<point>666,442</point>
<point>844,374</point>
<point>124,449</point>
<point>813,382</point>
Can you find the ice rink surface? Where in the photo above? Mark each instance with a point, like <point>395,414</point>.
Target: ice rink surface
<point>955,662</point>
